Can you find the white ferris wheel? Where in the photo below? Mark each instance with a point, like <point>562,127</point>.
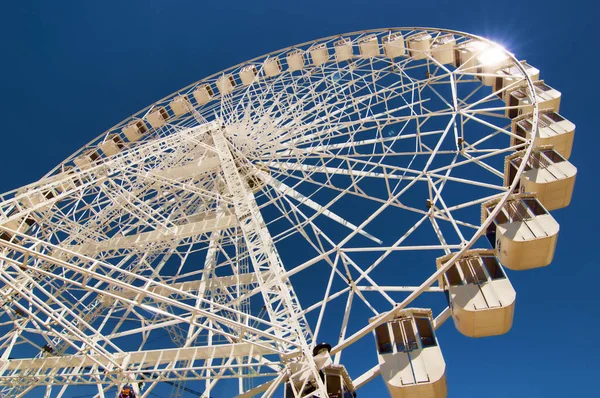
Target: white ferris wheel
<point>296,225</point>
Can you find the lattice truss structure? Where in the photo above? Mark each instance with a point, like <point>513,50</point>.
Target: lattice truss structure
<point>222,232</point>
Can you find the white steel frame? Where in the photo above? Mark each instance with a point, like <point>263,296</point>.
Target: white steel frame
<point>156,240</point>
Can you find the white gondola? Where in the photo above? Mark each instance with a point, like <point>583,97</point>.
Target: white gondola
<point>480,296</point>
<point>338,384</point>
<point>70,182</point>
<point>248,74</point>
<point>523,233</point>
<point>335,378</point>
<point>21,224</point>
<point>368,46</point>
<point>489,61</point>
<point>135,130</point>
<point>319,54</point>
<point>180,105</point>
<point>31,198</point>
<point>393,45</point>
<point>158,117</point>
<point>553,129</point>
<point>272,67</point>
<point>549,175</point>
<point>511,75</point>
<point>295,60</point>
<point>442,49</point>
<point>203,94</point>
<point>410,359</point>
<point>343,49</point>
<point>465,54</point>
<point>112,145</point>
<point>6,236</point>
<point>225,84</point>
<point>86,159</point>
<point>419,45</point>
<point>255,183</point>
<point>546,96</point>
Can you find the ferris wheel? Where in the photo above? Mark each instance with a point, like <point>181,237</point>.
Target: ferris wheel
<point>296,225</point>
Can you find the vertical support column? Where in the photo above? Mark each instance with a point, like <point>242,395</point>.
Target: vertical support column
<point>209,267</point>
<point>281,303</point>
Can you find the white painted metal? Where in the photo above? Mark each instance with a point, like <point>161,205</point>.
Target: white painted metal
<point>393,45</point>
<point>225,84</point>
<point>547,174</point>
<point>248,74</point>
<point>130,261</point>
<point>158,117</point>
<point>135,130</point>
<point>410,362</point>
<point>524,233</point>
<point>113,145</point>
<point>553,129</point>
<point>295,60</point>
<point>369,47</point>
<point>272,67</point>
<point>481,297</point>
<point>343,49</point>
<point>442,49</point>
<point>180,105</point>
<point>319,54</point>
<point>419,45</point>
<point>203,94</point>
<point>521,102</point>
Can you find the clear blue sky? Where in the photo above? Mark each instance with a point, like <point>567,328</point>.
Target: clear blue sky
<point>72,69</point>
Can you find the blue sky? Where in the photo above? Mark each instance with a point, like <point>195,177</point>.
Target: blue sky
<point>72,69</point>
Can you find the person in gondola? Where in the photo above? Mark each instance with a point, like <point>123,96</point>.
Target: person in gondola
<point>127,392</point>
